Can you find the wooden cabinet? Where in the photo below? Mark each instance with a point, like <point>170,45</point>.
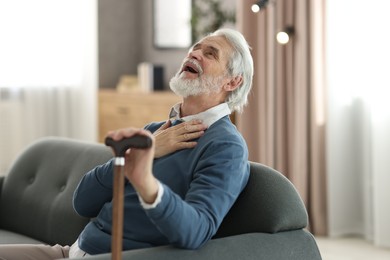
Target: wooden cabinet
<point>119,110</point>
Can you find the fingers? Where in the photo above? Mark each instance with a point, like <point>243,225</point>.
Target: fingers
<point>185,145</point>
<point>177,137</point>
<point>186,131</point>
<point>190,136</point>
<point>190,127</point>
<point>165,125</point>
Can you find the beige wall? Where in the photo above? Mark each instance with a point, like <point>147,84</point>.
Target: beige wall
<point>126,39</point>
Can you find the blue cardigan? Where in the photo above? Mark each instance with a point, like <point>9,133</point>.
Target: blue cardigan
<point>200,186</point>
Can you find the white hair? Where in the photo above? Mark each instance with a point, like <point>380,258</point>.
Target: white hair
<point>239,64</point>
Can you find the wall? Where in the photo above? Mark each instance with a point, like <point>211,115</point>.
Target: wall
<point>125,29</point>
<point>118,47</point>
<point>170,58</point>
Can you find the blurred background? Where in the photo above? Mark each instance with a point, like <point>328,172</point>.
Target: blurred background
<point>318,112</point>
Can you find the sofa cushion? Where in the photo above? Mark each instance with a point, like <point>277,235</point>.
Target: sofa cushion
<point>291,245</point>
<point>8,237</point>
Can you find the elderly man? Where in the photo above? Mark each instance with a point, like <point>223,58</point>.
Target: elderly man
<point>179,190</point>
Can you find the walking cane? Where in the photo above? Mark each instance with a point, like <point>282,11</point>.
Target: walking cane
<point>120,148</point>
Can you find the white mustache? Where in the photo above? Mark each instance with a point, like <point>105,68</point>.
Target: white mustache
<point>195,63</point>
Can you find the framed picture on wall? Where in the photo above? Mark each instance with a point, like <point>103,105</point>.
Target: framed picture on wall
<point>172,23</point>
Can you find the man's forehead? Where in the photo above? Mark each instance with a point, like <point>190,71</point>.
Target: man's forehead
<point>214,41</point>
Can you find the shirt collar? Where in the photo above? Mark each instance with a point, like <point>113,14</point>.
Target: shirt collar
<point>209,117</point>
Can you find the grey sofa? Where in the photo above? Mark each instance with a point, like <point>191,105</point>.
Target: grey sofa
<point>267,222</point>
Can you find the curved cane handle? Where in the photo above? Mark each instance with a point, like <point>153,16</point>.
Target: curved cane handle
<point>120,147</point>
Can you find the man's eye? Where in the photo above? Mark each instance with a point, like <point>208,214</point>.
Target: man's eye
<point>209,53</point>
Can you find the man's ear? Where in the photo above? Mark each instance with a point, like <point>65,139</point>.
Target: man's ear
<point>234,83</point>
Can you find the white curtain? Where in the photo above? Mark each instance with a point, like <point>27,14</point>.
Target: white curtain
<point>48,72</point>
<point>358,143</point>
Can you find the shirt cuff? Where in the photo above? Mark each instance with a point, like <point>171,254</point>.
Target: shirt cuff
<point>160,193</point>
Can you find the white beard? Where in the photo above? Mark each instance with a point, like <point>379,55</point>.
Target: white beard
<point>203,85</point>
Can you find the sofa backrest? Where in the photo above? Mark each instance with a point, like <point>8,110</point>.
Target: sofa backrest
<point>36,195</point>
<point>269,203</point>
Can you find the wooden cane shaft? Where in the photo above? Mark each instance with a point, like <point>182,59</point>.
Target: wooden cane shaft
<point>117,213</point>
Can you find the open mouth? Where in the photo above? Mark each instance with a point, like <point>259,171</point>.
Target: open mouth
<point>191,68</point>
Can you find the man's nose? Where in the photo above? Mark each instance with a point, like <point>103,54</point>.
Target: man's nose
<point>195,54</point>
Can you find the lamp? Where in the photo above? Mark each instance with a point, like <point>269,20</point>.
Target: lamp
<point>256,7</point>
<point>283,37</point>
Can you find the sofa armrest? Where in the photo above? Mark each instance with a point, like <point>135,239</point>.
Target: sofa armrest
<point>269,203</point>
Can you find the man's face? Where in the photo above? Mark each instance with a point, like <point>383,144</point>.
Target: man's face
<point>204,69</point>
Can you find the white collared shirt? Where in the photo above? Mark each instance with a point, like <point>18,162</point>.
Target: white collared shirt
<point>208,117</point>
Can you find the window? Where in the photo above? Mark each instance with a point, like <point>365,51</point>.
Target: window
<point>44,43</point>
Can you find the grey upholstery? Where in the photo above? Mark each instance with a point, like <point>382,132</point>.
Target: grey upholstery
<point>291,245</point>
<point>36,195</point>
<point>267,222</point>
<point>269,203</point>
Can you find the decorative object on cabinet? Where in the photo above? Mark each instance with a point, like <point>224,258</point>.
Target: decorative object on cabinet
<point>128,83</point>
<point>150,76</point>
